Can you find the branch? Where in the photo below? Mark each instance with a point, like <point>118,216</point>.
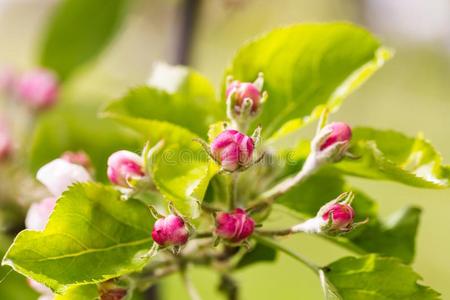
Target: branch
<point>273,244</point>
<point>310,166</point>
<point>229,287</point>
<point>192,291</point>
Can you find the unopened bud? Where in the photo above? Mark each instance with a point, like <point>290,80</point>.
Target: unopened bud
<point>341,215</point>
<point>335,217</point>
<point>38,88</point>
<point>59,174</point>
<point>340,132</point>
<point>78,158</point>
<point>232,150</point>
<point>170,231</point>
<point>38,214</point>
<point>331,142</point>
<point>234,227</point>
<point>242,91</point>
<point>124,166</point>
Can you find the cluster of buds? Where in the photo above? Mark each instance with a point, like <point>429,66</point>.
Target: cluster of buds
<point>244,101</point>
<point>335,217</point>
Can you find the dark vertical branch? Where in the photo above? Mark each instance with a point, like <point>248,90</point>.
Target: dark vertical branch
<point>229,287</point>
<point>187,21</point>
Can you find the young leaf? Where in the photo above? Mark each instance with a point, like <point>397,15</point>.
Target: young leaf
<point>74,128</point>
<point>191,103</point>
<point>374,277</point>
<point>182,169</point>
<point>390,155</point>
<point>83,292</point>
<point>92,236</point>
<point>78,31</point>
<point>395,237</point>
<point>307,67</point>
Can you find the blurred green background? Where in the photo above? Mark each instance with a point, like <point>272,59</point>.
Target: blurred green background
<point>410,94</point>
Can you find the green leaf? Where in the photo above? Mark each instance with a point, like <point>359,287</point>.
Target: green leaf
<point>181,170</point>
<point>373,277</point>
<point>306,68</point>
<point>83,292</point>
<point>75,127</point>
<point>395,237</point>
<point>390,155</point>
<point>260,253</point>
<point>78,31</point>
<point>13,285</point>
<point>92,236</point>
<point>192,104</point>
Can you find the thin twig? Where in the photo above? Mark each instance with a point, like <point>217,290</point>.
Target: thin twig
<point>192,291</point>
<point>273,244</point>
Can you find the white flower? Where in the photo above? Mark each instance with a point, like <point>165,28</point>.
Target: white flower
<point>45,292</point>
<point>38,214</point>
<point>167,77</point>
<point>59,174</point>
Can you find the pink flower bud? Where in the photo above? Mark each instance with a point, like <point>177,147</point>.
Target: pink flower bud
<point>78,158</point>
<point>38,88</point>
<point>124,165</point>
<point>244,90</point>
<point>234,227</point>
<point>5,140</point>
<point>170,231</point>
<point>232,149</point>
<point>340,132</point>
<point>343,215</point>
<point>59,174</point>
<point>38,214</point>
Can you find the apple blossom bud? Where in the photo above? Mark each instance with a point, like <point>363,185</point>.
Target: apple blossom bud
<point>59,174</point>
<point>243,90</point>
<point>170,231</point>
<point>45,292</point>
<point>232,149</point>
<point>124,165</point>
<point>234,227</point>
<point>78,158</point>
<point>342,216</point>
<point>340,132</point>
<point>5,140</point>
<point>38,214</point>
<point>38,88</point>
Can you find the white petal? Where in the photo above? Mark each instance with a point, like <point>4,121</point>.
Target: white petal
<point>59,174</point>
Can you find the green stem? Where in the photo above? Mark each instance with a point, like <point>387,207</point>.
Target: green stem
<point>273,244</point>
<point>234,190</point>
<point>192,291</point>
